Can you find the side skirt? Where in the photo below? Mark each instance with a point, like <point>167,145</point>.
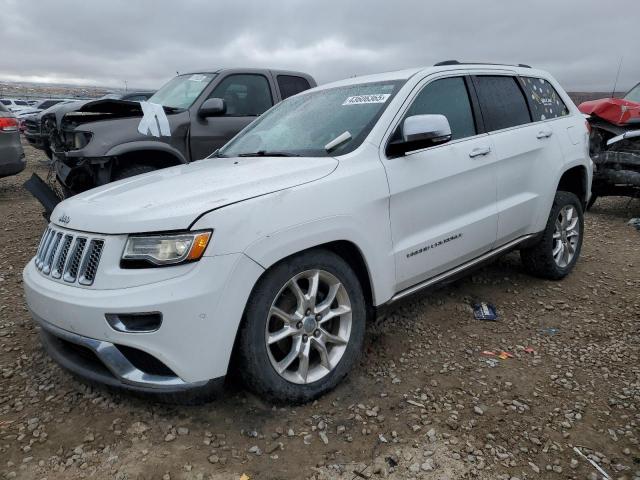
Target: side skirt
<point>456,271</point>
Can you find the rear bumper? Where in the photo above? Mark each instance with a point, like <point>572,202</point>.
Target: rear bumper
<point>12,160</point>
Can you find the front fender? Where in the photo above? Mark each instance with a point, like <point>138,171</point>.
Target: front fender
<point>272,248</point>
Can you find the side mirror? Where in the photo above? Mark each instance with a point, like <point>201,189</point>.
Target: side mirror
<point>212,107</point>
<point>434,128</point>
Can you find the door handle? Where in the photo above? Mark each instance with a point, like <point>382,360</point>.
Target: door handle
<point>480,151</point>
<point>544,134</point>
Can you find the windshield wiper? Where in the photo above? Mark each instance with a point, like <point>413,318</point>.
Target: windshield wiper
<point>265,153</point>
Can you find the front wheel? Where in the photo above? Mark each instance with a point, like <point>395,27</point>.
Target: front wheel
<point>555,255</point>
<point>303,328</point>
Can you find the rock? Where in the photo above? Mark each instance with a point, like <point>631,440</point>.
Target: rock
<point>183,431</point>
<point>478,410</point>
<point>170,437</point>
<point>137,428</point>
<point>255,450</point>
<point>273,447</point>
<point>213,459</point>
<point>323,437</point>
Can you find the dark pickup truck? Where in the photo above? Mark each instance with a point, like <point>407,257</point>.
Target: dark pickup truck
<point>191,116</point>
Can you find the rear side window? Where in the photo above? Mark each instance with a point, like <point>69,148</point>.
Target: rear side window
<point>5,102</point>
<point>502,102</point>
<point>544,101</point>
<point>291,85</point>
<point>244,94</point>
<point>448,97</point>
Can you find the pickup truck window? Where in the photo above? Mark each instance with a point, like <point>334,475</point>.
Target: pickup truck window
<point>291,85</point>
<point>244,94</point>
<point>304,124</point>
<point>182,91</point>
<point>634,94</point>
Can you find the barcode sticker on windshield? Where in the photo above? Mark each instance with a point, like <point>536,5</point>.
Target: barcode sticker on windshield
<point>197,77</point>
<point>361,99</point>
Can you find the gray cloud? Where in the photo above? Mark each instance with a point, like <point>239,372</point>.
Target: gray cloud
<point>146,42</point>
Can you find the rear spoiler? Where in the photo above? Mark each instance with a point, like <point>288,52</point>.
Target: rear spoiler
<point>43,193</point>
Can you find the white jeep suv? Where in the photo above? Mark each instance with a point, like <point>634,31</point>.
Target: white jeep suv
<point>279,246</point>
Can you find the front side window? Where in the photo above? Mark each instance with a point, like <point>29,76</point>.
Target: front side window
<point>244,95</point>
<point>21,102</point>
<point>6,102</point>
<point>303,125</point>
<point>544,101</point>
<point>634,94</point>
<point>448,97</point>
<point>180,92</point>
<point>502,102</point>
<point>291,85</point>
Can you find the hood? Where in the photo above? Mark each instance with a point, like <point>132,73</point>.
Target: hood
<point>614,110</point>
<point>92,110</point>
<point>172,198</point>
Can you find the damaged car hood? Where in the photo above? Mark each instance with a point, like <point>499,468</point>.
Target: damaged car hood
<point>614,110</point>
<point>172,198</point>
<point>88,111</point>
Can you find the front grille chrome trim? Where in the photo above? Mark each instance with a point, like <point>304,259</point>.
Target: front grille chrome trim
<point>66,256</point>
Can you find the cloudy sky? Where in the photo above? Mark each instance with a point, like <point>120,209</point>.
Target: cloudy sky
<point>144,42</point>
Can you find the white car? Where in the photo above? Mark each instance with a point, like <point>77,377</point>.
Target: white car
<point>280,246</point>
<point>15,106</point>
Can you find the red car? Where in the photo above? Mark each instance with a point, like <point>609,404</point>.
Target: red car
<point>615,144</point>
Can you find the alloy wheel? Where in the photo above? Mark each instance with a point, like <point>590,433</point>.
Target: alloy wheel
<point>566,236</point>
<point>308,326</point>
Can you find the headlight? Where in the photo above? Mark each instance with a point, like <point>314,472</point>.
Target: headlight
<point>158,250</point>
<point>81,139</point>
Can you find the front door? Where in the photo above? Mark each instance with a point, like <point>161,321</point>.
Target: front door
<point>246,96</point>
<point>443,198</point>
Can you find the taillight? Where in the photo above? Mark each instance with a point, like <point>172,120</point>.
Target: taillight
<point>8,124</point>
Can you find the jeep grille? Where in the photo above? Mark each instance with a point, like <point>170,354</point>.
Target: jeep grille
<point>74,258</point>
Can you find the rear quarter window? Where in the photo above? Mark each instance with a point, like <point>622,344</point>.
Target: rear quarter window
<point>544,101</point>
<point>502,102</point>
<point>291,85</point>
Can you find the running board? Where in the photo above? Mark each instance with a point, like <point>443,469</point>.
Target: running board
<point>459,269</point>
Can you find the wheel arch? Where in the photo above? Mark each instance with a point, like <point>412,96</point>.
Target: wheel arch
<point>576,181</point>
<point>149,153</point>
<point>345,249</point>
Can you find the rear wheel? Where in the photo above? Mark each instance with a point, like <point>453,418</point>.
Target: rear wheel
<point>303,328</point>
<point>132,171</point>
<point>556,253</point>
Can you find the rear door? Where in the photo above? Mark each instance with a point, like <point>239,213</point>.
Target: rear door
<point>524,150</point>
<point>247,95</point>
<point>443,198</point>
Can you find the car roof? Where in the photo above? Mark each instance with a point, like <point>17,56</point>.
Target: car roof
<point>406,74</point>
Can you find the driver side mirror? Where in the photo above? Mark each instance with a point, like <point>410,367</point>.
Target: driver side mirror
<point>212,107</point>
<point>421,131</point>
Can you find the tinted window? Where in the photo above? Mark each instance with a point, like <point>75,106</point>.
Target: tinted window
<point>448,97</point>
<point>543,99</point>
<point>502,102</point>
<point>246,95</point>
<point>6,102</point>
<point>21,102</point>
<point>291,85</point>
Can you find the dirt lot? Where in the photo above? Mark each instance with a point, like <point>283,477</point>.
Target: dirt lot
<point>423,403</point>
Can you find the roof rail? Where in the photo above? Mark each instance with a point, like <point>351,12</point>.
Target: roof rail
<point>456,62</point>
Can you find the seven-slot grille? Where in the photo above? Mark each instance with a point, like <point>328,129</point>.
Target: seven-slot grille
<point>70,257</point>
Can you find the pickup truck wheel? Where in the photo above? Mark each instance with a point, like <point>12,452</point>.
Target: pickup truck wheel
<point>303,328</point>
<point>556,253</point>
<point>132,171</point>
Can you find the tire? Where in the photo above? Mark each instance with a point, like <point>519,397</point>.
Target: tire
<point>132,171</point>
<point>258,360</point>
<point>539,259</point>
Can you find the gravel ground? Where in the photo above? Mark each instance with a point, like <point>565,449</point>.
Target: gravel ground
<point>425,402</point>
